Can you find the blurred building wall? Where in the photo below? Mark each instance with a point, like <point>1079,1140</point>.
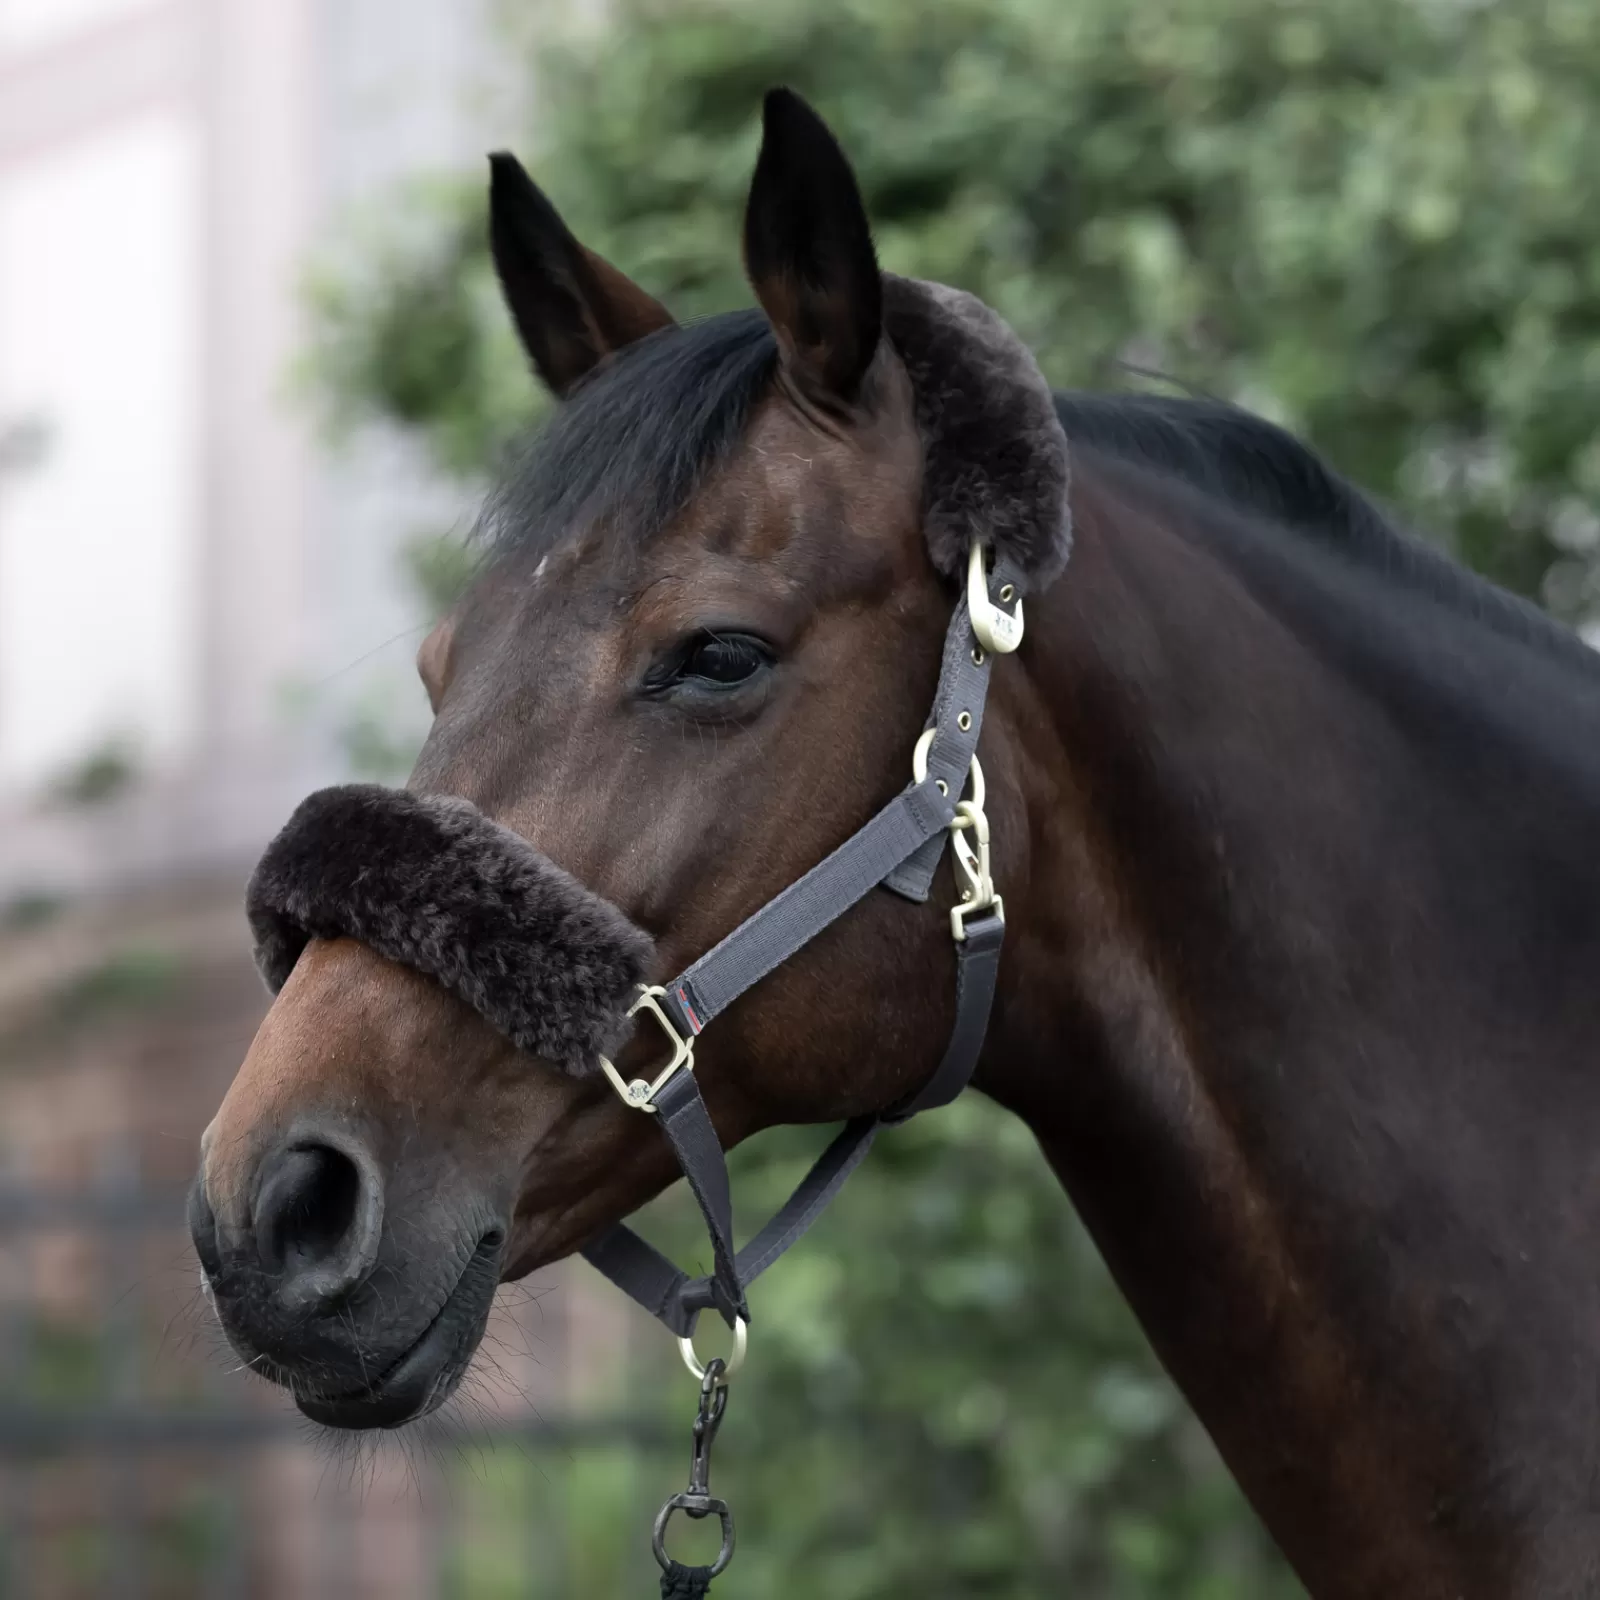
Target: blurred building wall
<point>194,593</point>
<point>191,591</point>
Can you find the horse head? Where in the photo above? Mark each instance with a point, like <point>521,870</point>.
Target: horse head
<point>698,656</point>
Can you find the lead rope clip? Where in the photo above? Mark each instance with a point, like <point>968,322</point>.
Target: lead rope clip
<point>679,1582</point>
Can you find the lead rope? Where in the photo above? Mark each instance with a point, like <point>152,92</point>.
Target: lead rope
<point>685,1583</point>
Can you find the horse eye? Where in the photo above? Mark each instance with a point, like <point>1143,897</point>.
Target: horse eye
<point>725,659</point>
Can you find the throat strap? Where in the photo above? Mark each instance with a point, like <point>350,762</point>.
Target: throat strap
<point>899,848</point>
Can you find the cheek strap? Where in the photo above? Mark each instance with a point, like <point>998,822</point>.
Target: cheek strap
<point>899,849</point>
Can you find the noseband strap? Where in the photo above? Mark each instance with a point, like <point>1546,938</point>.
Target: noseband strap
<point>900,849</point>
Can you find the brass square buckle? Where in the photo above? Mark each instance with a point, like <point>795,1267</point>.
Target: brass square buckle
<point>641,1093</point>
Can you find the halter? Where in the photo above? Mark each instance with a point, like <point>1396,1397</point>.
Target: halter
<point>900,849</point>
<point>430,882</point>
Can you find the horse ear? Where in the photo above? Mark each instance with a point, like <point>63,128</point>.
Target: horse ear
<point>808,252</point>
<point>570,306</point>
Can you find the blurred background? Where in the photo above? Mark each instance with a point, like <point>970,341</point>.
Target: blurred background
<point>253,378</point>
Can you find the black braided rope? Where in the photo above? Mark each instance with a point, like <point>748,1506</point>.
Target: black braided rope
<point>679,1582</point>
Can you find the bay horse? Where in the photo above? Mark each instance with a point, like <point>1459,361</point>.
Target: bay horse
<point>1298,825</point>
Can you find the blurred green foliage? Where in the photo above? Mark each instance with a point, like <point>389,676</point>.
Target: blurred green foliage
<point>103,774</point>
<point>1377,221</point>
<point>137,978</point>
<point>30,910</point>
<point>439,567</point>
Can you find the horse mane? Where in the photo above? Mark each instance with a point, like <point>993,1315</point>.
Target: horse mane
<point>638,436</point>
<point>643,430</point>
<point>1245,462</point>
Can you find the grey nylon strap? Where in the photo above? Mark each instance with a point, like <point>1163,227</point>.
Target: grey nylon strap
<point>687,1125</point>
<point>792,919</point>
<point>899,848</point>
<point>635,1266</point>
<point>676,1299</point>
<point>913,878</point>
<point>642,1272</point>
<point>977,972</point>
<point>810,1198</point>
<point>638,1268</point>
<point>963,688</point>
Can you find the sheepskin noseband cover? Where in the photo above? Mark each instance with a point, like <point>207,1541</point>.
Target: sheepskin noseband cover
<point>432,883</point>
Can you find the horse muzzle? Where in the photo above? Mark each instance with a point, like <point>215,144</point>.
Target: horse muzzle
<point>359,1280</point>
<point>315,1292</point>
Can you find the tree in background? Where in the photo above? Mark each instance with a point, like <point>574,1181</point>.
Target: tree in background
<point>1377,221</point>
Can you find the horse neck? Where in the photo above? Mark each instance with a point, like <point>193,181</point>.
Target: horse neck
<point>1300,1004</point>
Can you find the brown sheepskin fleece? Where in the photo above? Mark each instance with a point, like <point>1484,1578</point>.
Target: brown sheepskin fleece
<point>997,461</point>
<point>432,883</point>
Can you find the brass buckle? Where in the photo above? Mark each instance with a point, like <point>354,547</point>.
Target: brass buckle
<point>641,1093</point>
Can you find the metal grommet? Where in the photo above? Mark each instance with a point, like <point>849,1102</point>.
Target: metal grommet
<point>977,656</point>
<point>941,786</point>
<point>1008,593</point>
<point>964,721</point>
<point>741,1342</point>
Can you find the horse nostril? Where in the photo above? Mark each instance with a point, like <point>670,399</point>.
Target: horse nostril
<point>317,1219</point>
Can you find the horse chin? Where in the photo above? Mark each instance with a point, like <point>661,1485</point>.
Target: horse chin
<point>424,1376</point>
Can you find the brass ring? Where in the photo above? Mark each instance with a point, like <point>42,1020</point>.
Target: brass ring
<point>919,770</point>
<point>741,1342</point>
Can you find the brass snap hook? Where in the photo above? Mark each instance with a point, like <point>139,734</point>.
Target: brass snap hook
<point>973,864</point>
<point>997,630</point>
